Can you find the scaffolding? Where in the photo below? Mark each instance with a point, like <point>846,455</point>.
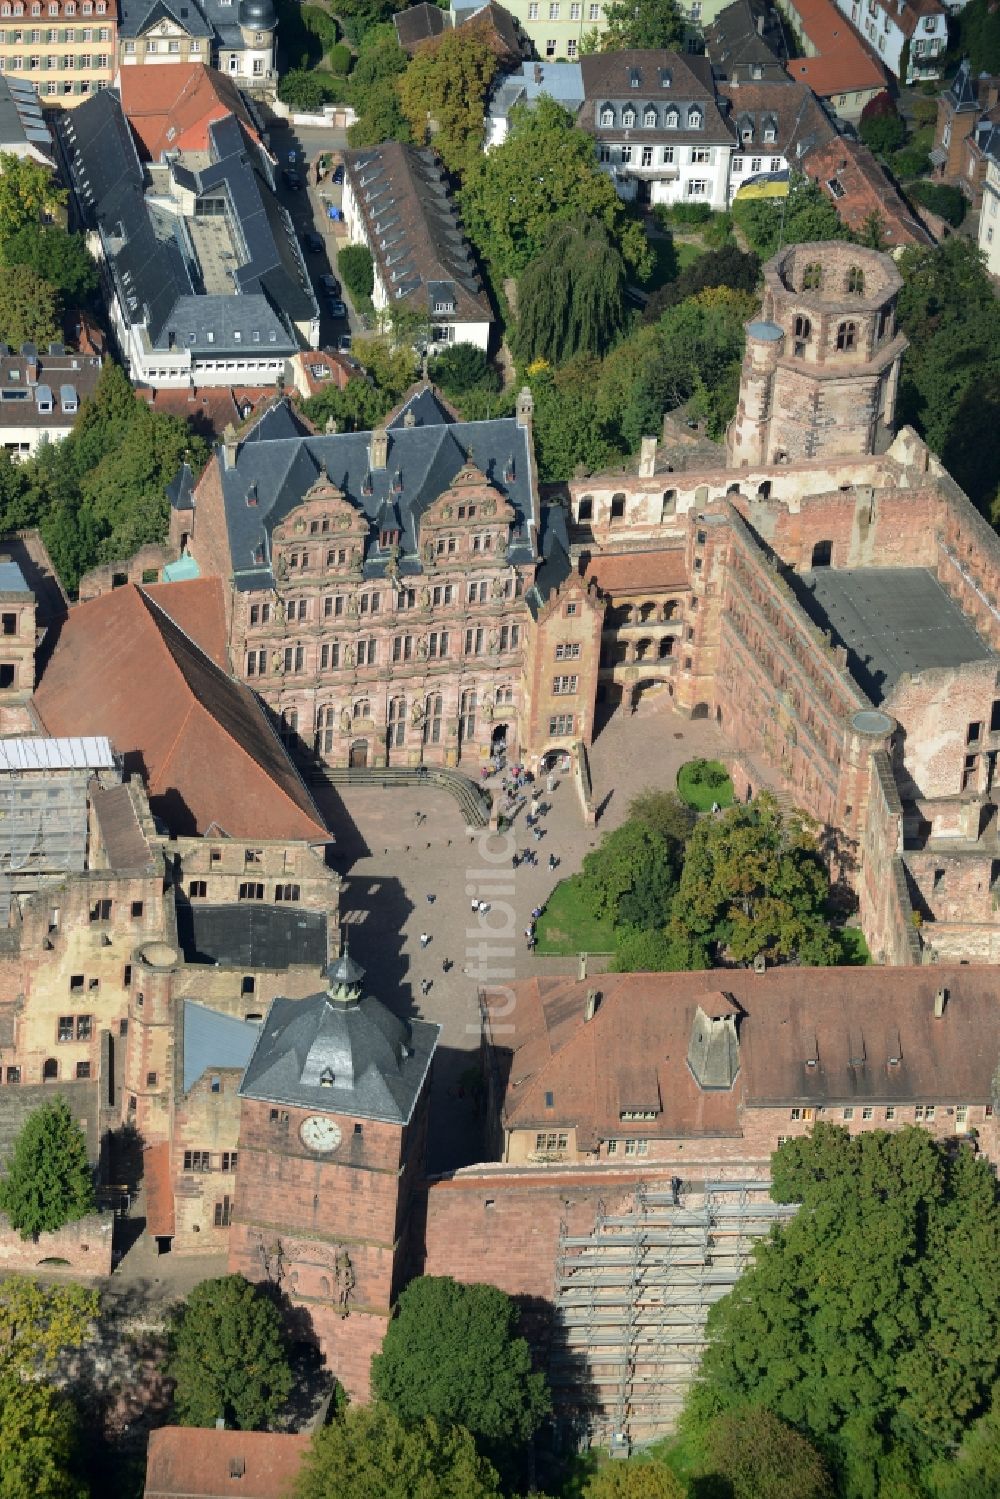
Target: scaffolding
<point>633,1295</point>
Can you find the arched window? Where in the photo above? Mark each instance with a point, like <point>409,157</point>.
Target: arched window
<point>585,511</point>
<point>397,721</point>
<point>628,118</point>
<point>649,117</point>
<point>847,337</point>
<point>432,719</point>
<point>803,327</point>
<point>856,281</point>
<point>50,1070</point>
<point>666,647</point>
<point>362,708</point>
<point>695,119</point>
<point>672,119</point>
<point>822,554</point>
<point>607,116</point>
<point>812,276</point>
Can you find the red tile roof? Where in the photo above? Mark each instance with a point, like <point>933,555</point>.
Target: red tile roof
<point>209,409</point>
<point>186,1462</point>
<point>866,190</point>
<point>159,1189</point>
<point>843,65</point>
<point>635,572</point>
<point>171,108</point>
<point>851,1021</point>
<point>200,739</point>
<point>199,607</point>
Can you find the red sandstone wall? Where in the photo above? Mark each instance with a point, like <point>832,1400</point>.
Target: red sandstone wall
<point>85,1246</point>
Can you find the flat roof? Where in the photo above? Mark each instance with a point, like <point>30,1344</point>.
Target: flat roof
<point>892,620</point>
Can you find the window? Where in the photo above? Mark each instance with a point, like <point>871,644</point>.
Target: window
<point>84,1027</point>
<point>697,188</point>
<point>510,635</point>
<point>569,611</point>
<point>672,118</point>
<point>849,1112</point>
<point>362,708</point>
<point>568,651</point>
<point>251,890</point>
<point>13,1074</point>
<point>64,1030</point>
<point>647,156</point>
<point>806,1115</point>
<point>554,11</point>
<point>100,910</point>
<point>575,11</point>
<point>668,156</point>
<point>151,1078</point>
<point>636,1147</point>
<point>551,1140</point>
<point>737,164</point>
<point>695,119</point>
<point>962,1113</point>
<point>550,47</point>
<point>649,118</point>
<point>467,715</point>
<point>474,642</point>
<point>700,155</point>
<point>437,644</point>
<point>286,892</point>
<point>533,11</point>
<point>626,155</point>
<point>223,1210</point>
<point>197,1160</point>
<point>136,910</point>
<point>867,1113</point>
<point>856,281</point>
<point>83,1070</point>
<point>890,1112</point>
<point>366,652</point>
<point>594,12</point>
<point>812,277</point>
<point>756,163</point>
<point>561,724</point>
<point>628,118</point>
<point>229,1160</point>
<point>565,684</point>
<point>617,507</point>
<point>847,334</point>
<point>402,647</point>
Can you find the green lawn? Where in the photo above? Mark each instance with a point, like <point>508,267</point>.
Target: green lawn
<point>856,954</point>
<point>699,794</point>
<point>670,258</point>
<point>568,927</point>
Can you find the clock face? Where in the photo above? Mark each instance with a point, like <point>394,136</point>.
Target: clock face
<point>320,1134</point>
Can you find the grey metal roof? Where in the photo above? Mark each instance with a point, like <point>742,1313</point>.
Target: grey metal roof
<point>21,120</point>
<point>562,81</point>
<point>426,458</point>
<point>12,579</point>
<point>553,544</point>
<point>350,1058</point>
<point>214,1040</point>
<point>252,935</point>
<point>892,620</point>
<point>180,490</point>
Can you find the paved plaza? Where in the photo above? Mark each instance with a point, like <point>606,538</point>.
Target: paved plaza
<point>396,848</point>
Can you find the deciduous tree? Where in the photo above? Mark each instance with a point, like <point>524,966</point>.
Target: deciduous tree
<point>39,1323</point>
<point>29,307</point>
<point>571,297</point>
<point>59,258</point>
<point>754,882</point>
<point>664,813</point>
<point>355,264</point>
<point>545,173</point>
<point>28,192</point>
<point>461,368</point>
<point>370,1454</point>
<point>372,88</point>
<point>453,1353</point>
<point>632,875</point>
<point>39,1442</point>
<point>761,1457</point>
<point>358,407</point>
<point>871,1321</point>
<point>228,1355</point>
<point>634,1480</point>
<point>48,1181</point>
<point>648,23</point>
<point>804,215</point>
<point>443,92</point>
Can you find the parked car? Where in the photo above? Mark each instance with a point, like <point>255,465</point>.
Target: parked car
<point>313,242</point>
<point>338,173</point>
<point>292,180</point>
<point>337,308</point>
<point>344,344</point>
<point>330,285</point>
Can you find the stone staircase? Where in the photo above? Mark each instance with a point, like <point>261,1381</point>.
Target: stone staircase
<point>473,803</point>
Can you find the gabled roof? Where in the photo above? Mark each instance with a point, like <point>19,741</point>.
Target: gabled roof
<point>841,64</point>
<point>187,1463</point>
<point>171,108</point>
<point>418,23</point>
<point>799,121</point>
<point>734,38</point>
<point>201,741</point>
<point>866,189</point>
<point>413,230</point>
<point>137,16</point>
<point>276,472</point>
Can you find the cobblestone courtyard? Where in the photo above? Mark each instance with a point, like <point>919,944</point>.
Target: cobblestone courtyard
<point>399,847</point>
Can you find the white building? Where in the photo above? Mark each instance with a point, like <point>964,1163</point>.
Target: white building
<point>659,131</point>
<point>989,214</point>
<point>914,32</point>
<point>41,392</point>
<point>397,203</point>
<point>235,36</point>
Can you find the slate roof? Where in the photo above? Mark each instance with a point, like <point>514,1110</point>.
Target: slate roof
<point>413,230</point>
<point>22,125</point>
<point>216,19</point>
<point>644,78</point>
<point>201,741</point>
<point>214,1040</point>
<point>850,1022</point>
<point>799,120</point>
<point>418,23</point>
<point>891,620</point>
<point>252,935</point>
<point>733,40</point>
<point>186,1463</point>
<point>427,457</point>
<point>374,1063</point>
<point>155,271</point>
<point>562,81</point>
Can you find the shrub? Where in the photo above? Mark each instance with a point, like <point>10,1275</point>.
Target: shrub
<point>461,368</point>
<point>682,213</point>
<point>305,91</point>
<point>354,262</point>
<point>340,59</point>
<point>949,202</point>
<point>321,24</point>
<point>911,161</point>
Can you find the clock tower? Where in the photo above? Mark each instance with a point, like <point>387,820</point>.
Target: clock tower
<point>333,1127</point>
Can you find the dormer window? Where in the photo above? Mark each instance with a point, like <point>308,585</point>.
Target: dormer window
<point>366,484</point>
<point>388,538</point>
<point>672,119</point>
<point>695,119</point>
<point>397,481</point>
<point>607,117</point>
<point>634,77</point>
<point>649,118</point>
<point>628,118</point>
<point>326,1078</point>
<point>770,134</point>
<point>666,78</point>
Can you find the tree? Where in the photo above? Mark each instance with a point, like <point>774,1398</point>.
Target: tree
<point>359,407</point>
<point>544,174</point>
<point>570,433</point>
<point>48,1181</point>
<point>979,36</point>
<point>632,875</point>
<point>370,1454</point>
<point>571,297</point>
<point>228,1354</point>
<point>663,813</point>
<point>880,126</point>
<point>646,950</point>
<point>461,368</point>
<point>870,1321</point>
<point>730,266</point>
<point>634,1480</point>
<point>354,262</point>
<point>29,192</point>
<point>59,258</point>
<point>393,368</point>
<point>443,93</point>
<point>648,23</point>
<point>29,308</point>
<point>372,89</point>
<point>39,1442</point>
<point>761,1457</point>
<point>754,882</point>
<point>453,1353</point>
<point>948,202</point>
<point>306,91</point>
<point>803,216</point>
<point>38,1324</point>
<point>973,1472</point>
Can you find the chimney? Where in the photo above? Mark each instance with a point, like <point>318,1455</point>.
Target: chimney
<point>229,446</point>
<point>525,407</point>
<point>379,449</point>
<point>331,426</point>
<point>940,1000</point>
<point>581,971</point>
<point>409,420</point>
<point>760,24</point>
<point>593,1000</point>
<point>647,458</point>
<point>220,1423</point>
